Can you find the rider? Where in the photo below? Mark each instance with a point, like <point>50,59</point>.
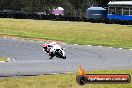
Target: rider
<point>51,48</point>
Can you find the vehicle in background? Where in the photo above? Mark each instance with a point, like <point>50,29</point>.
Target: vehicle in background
<point>117,12</point>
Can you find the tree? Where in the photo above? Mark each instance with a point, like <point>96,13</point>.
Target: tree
<point>71,7</point>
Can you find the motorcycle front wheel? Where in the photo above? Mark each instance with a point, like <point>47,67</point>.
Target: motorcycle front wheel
<point>64,57</point>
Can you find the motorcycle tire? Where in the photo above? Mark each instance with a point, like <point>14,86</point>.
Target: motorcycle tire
<point>64,57</point>
<point>51,56</point>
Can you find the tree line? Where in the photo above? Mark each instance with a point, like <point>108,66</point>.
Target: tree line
<point>71,7</point>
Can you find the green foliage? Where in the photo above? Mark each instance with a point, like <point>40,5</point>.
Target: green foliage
<point>2,59</point>
<point>72,7</point>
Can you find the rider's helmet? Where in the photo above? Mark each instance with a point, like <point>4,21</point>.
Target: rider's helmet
<point>44,45</point>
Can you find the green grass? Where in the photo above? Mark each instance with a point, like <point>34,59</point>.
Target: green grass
<point>2,59</point>
<point>69,32</point>
<point>60,81</point>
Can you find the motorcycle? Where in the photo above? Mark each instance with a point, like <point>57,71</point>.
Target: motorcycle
<point>59,52</point>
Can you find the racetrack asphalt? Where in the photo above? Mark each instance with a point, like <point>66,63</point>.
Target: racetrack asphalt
<point>31,60</point>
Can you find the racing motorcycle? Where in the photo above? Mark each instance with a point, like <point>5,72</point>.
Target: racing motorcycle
<point>59,52</point>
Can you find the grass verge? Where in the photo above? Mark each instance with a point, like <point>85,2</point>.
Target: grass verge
<point>2,59</point>
<point>60,81</point>
<point>70,32</point>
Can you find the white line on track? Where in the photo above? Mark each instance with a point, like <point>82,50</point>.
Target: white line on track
<point>14,38</point>
<point>120,48</point>
<point>99,46</point>
<point>2,61</point>
<point>63,43</point>
<point>5,37</point>
<point>110,47</point>
<point>89,45</point>
<point>75,44</point>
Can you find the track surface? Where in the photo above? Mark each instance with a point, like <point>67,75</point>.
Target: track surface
<point>31,60</point>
